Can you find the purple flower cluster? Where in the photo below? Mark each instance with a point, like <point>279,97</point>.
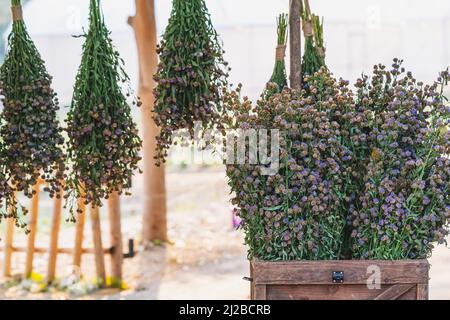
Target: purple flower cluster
<point>190,76</point>
<point>31,143</point>
<point>362,175</point>
<point>404,204</point>
<point>297,213</point>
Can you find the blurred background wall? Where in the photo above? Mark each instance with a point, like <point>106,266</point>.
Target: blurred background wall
<point>358,34</point>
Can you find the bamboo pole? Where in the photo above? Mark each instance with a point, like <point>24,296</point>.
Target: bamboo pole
<point>79,233</point>
<point>98,246</point>
<point>154,219</point>
<point>32,224</point>
<point>295,41</point>
<point>59,250</point>
<point>8,249</point>
<point>56,224</point>
<point>115,236</point>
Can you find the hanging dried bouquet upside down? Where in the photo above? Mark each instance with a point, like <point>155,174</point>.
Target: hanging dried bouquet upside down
<point>314,56</point>
<point>190,75</point>
<point>278,80</point>
<point>103,139</point>
<point>31,135</point>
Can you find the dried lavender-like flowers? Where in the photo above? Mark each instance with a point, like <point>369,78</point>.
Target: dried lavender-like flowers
<point>190,75</point>
<point>405,206</point>
<point>104,144</point>
<point>297,213</point>
<point>32,141</point>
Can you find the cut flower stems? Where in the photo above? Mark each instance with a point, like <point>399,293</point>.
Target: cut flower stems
<point>314,49</point>
<point>278,80</point>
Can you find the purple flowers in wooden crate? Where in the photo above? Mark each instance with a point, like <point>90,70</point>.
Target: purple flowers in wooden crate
<point>362,175</point>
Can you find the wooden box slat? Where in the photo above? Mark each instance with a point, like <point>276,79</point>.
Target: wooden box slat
<point>335,292</point>
<point>300,280</point>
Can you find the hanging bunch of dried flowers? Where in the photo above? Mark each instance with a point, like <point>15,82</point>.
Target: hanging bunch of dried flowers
<point>190,76</point>
<point>278,80</point>
<point>31,134</point>
<point>104,144</point>
<point>314,51</point>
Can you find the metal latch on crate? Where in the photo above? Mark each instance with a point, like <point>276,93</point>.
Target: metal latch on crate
<point>337,276</point>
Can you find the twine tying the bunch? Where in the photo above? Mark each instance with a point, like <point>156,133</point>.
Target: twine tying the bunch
<point>280,52</point>
<point>307,29</point>
<point>17,13</point>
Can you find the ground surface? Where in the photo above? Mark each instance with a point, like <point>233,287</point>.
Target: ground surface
<point>205,260</point>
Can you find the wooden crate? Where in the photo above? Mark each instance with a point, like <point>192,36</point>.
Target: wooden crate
<point>313,280</point>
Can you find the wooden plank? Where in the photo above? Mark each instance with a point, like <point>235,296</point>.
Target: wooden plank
<point>394,292</point>
<point>260,292</point>
<point>154,215</point>
<point>32,225</point>
<point>115,236</point>
<point>295,44</point>
<point>329,292</point>
<point>98,247</point>
<point>54,235</point>
<point>422,291</point>
<point>355,271</point>
<point>9,236</point>
<point>79,233</point>
<point>252,287</point>
<point>320,292</point>
<point>41,250</point>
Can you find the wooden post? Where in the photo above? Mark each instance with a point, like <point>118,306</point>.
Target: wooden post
<point>98,246</point>
<point>32,224</point>
<point>10,223</point>
<point>295,41</point>
<point>154,214</point>
<point>115,236</point>
<point>56,224</point>
<point>422,291</point>
<point>79,233</point>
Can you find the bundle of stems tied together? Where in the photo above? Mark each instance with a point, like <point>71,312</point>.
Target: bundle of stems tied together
<point>104,145</point>
<point>190,78</point>
<point>278,80</point>
<point>314,51</point>
<point>31,148</point>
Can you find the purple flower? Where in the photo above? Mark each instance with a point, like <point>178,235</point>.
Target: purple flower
<point>235,219</point>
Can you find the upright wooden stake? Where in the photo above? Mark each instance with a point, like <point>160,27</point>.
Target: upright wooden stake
<point>10,223</point>
<point>116,236</point>
<point>98,246</point>
<point>154,216</point>
<point>56,224</point>
<point>295,41</point>
<point>32,225</point>
<point>79,233</point>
